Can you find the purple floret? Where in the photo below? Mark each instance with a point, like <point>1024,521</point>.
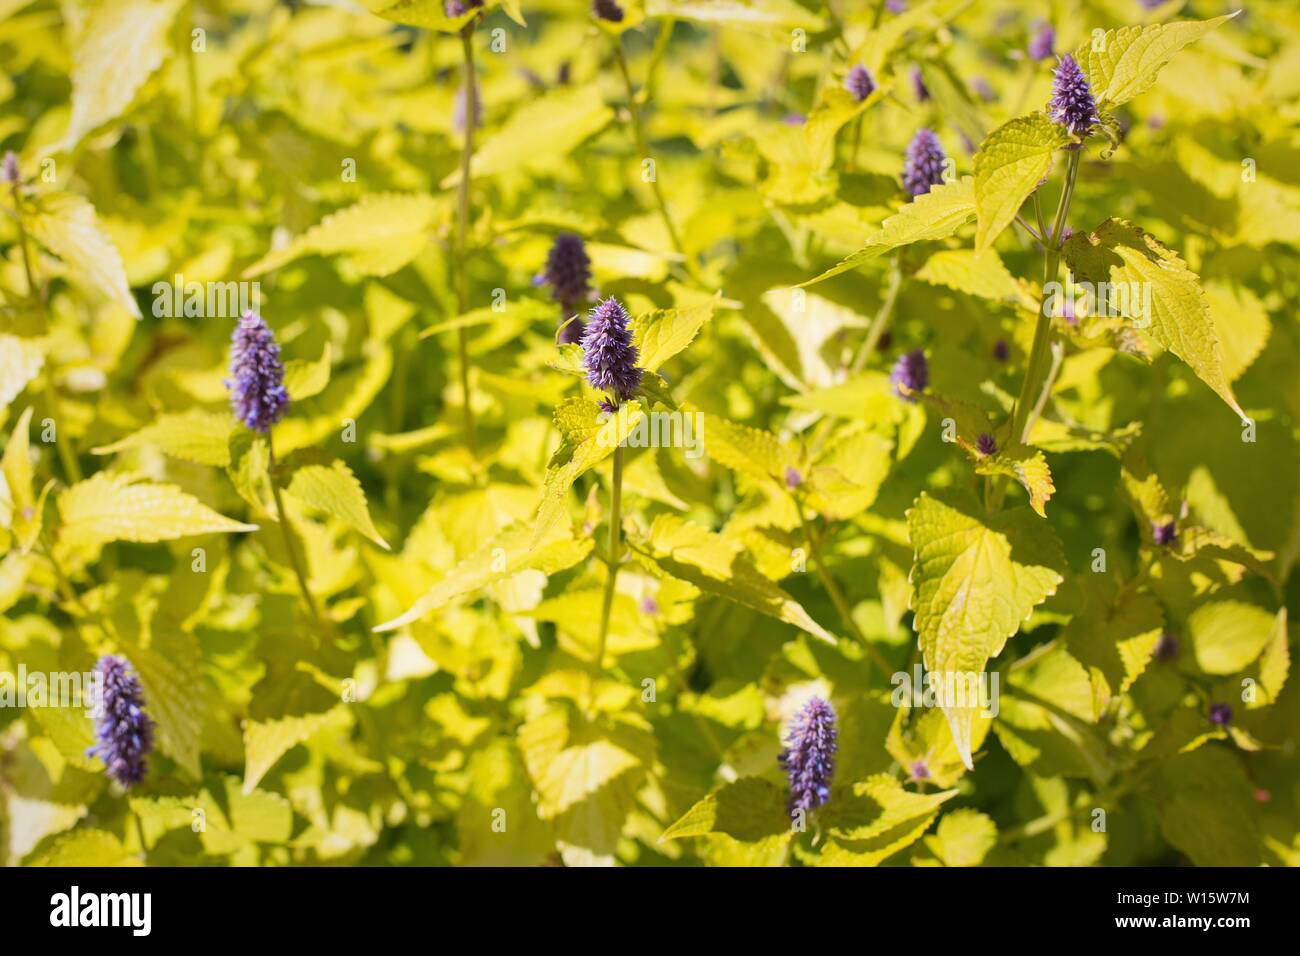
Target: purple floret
<point>256,380</point>
<point>123,731</point>
<point>809,757</point>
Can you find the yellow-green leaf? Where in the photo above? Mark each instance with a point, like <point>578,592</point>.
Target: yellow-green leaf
<point>1127,61</point>
<point>304,378</point>
<point>112,506</point>
<point>977,577</point>
<point>720,566</point>
<point>334,490</point>
<point>1010,163</point>
<point>195,435</point>
<point>661,334</point>
<point>1179,314</point>
<point>67,226</point>
<point>21,361</point>
<point>546,128</point>
<point>933,215</point>
<point>381,233</point>
<point>118,47</point>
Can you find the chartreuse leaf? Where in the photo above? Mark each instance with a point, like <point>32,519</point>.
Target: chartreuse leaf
<point>20,362</point>
<point>750,810</point>
<point>933,215</point>
<point>67,226</point>
<point>381,233</point>
<point>1025,465</point>
<point>304,378</point>
<point>1126,62</point>
<point>753,13</point>
<point>334,490</point>
<point>118,47</point>
<point>661,334</point>
<point>963,838</point>
<point>1114,637</point>
<point>719,566</point>
<point>84,847</point>
<point>1011,162</point>
<point>1228,636</point>
<point>928,740</point>
<point>545,128</point>
<point>24,506</point>
<point>111,506</point>
<point>586,774</point>
<point>430,14</point>
<point>1205,807</point>
<point>514,550</point>
<point>497,820</point>
<point>1274,664</point>
<point>976,578</point>
<point>171,672</point>
<point>587,442</point>
<point>870,821</point>
<point>981,274</point>
<point>847,477</point>
<point>1157,282</point>
<point>195,435</point>
<point>753,452</point>
<point>266,741</point>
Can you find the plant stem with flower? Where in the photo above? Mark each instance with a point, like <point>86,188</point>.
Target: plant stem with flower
<point>462,231</point>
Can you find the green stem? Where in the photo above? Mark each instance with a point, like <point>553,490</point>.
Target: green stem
<point>1038,373</point>
<point>881,320</point>
<point>462,234</point>
<point>64,445</point>
<point>642,145</point>
<point>837,596</point>
<point>289,543</point>
<point>612,561</point>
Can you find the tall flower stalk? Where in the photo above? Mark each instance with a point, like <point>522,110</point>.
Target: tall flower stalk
<point>10,173</point>
<point>610,359</point>
<point>1074,107</point>
<point>260,399</point>
<point>462,229</point>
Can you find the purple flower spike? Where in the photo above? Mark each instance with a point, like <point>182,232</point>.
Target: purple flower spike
<point>919,771</point>
<point>923,167</point>
<point>981,88</point>
<point>257,375</point>
<point>568,271</point>
<point>1001,350</point>
<point>608,352</point>
<point>456,8</point>
<point>1221,714</point>
<point>986,445</point>
<point>895,6</point>
<point>607,10</point>
<point>649,605</point>
<point>809,757</point>
<point>1166,647</point>
<point>918,85</point>
<point>10,167</point>
<point>860,83</point>
<point>122,728</point>
<point>1165,534</point>
<point>1072,104</point>
<point>911,372</point>
<point>1040,45</point>
<point>792,477</point>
